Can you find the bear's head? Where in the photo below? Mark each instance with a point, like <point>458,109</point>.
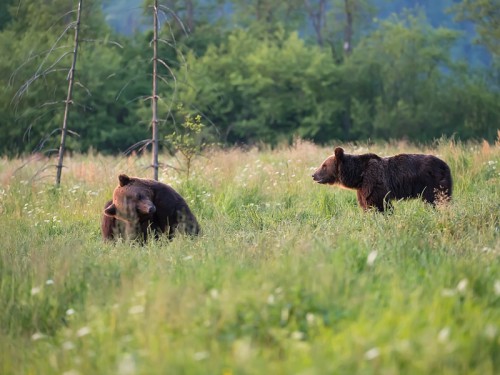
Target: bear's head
<point>132,200</point>
<point>329,171</point>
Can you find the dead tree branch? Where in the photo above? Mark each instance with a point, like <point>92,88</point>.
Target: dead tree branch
<point>69,98</point>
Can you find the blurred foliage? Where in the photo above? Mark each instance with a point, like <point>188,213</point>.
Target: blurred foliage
<point>485,15</point>
<point>255,71</point>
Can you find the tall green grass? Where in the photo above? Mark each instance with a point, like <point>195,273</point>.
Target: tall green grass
<point>289,277</point>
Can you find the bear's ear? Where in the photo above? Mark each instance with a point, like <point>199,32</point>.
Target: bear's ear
<point>124,179</point>
<point>110,210</point>
<point>339,153</point>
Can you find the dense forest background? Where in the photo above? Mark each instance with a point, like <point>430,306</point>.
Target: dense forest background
<point>256,71</point>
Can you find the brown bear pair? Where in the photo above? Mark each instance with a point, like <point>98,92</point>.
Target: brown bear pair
<point>142,206</point>
<point>378,180</point>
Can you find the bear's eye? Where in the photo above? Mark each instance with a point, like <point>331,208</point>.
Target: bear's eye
<point>140,196</point>
<point>323,166</point>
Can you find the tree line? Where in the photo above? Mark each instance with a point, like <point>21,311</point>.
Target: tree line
<point>254,71</point>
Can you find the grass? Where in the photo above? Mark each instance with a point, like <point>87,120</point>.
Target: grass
<point>289,277</point>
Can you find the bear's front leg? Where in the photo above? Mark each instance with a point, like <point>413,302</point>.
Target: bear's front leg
<point>372,196</point>
<point>362,200</point>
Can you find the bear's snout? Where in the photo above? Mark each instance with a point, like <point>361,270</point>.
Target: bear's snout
<point>146,208</point>
<point>317,178</point>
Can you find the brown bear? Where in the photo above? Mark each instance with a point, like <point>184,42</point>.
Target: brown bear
<point>379,180</point>
<point>142,205</point>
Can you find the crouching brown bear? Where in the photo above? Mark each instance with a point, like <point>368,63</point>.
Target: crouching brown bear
<point>142,206</point>
<point>378,180</point>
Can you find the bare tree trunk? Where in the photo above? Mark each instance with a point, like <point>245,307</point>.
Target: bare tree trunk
<point>154,105</point>
<point>348,6</point>
<point>190,16</point>
<point>317,17</point>
<point>69,97</point>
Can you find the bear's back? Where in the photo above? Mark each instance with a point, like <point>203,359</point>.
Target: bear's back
<point>410,175</point>
<point>170,203</point>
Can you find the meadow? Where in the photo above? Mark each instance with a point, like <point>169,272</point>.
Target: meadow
<point>288,277</point>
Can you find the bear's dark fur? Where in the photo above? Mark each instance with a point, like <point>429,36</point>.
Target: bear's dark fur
<point>379,180</point>
<point>140,206</point>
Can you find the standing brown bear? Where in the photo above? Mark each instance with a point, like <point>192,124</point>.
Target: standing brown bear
<point>141,205</point>
<point>379,180</point>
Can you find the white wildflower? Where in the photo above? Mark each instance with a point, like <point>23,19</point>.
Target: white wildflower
<point>490,331</point>
<point>200,356</point>
<point>448,292</point>
<point>49,282</point>
<point>242,350</point>
<point>462,285</point>
<point>138,309</point>
<point>37,336</point>
<point>496,286</point>
<point>35,290</point>
<point>68,345</point>
<point>310,318</point>
<point>297,335</point>
<point>127,338</point>
<point>84,331</point>
<point>444,334</point>
<point>126,366</point>
<point>214,293</point>
<point>372,354</point>
<point>285,313</point>
<point>370,260</point>
<point>70,312</point>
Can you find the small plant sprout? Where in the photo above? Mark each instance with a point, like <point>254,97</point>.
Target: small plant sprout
<point>187,141</point>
